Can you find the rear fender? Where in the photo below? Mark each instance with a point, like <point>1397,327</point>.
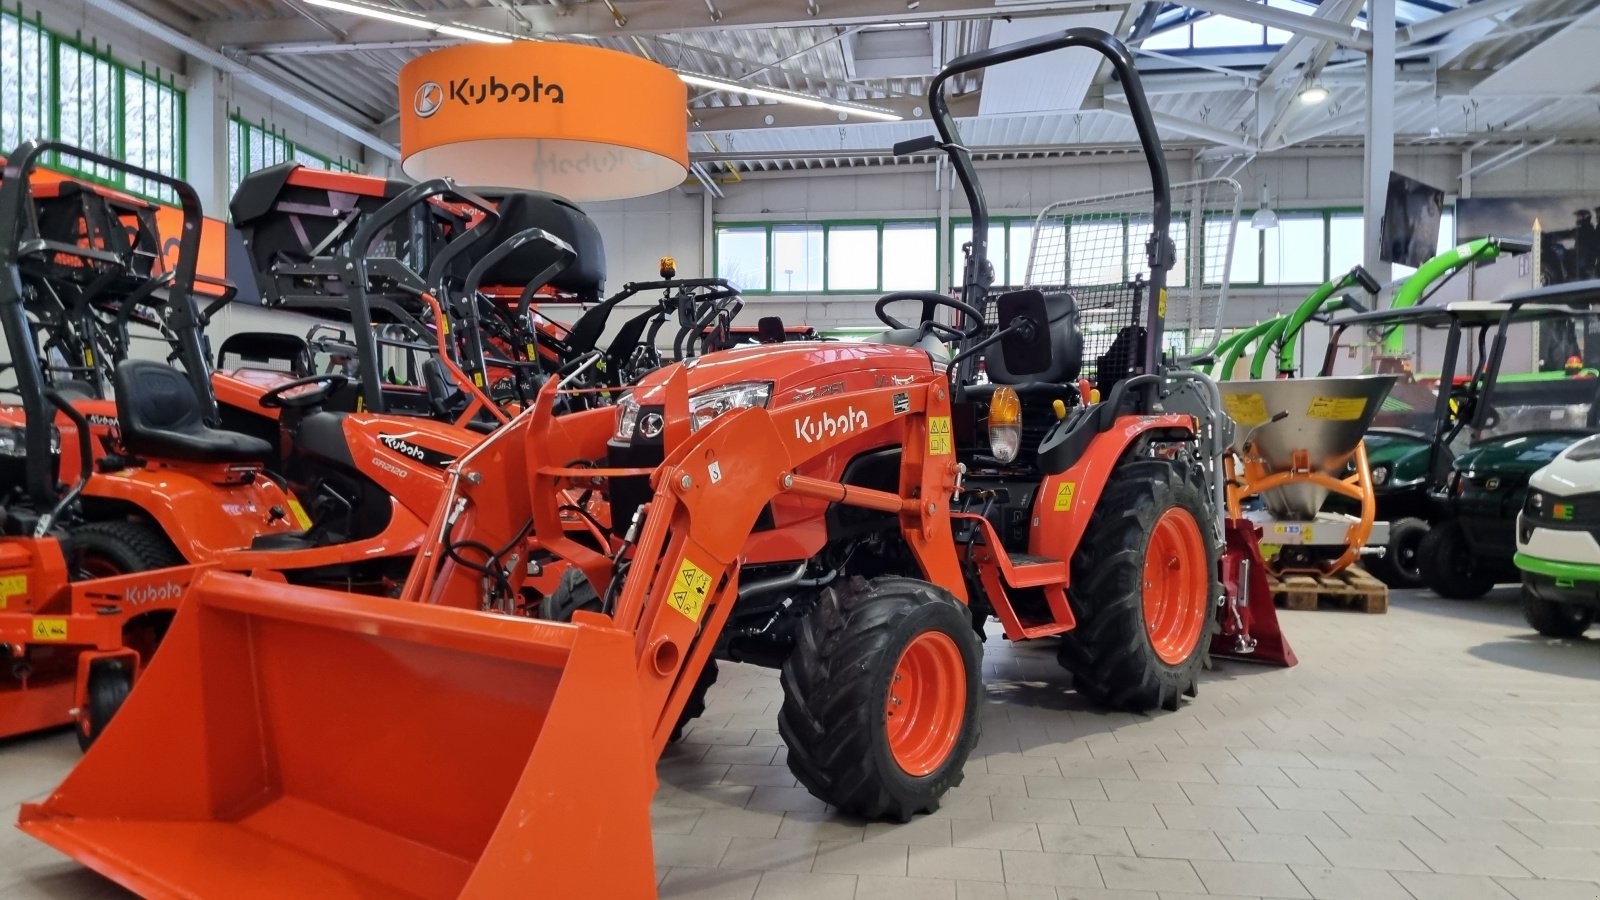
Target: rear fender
<point>1067,500</point>
<point>201,518</point>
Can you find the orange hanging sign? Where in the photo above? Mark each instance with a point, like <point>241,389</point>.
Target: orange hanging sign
<point>583,122</point>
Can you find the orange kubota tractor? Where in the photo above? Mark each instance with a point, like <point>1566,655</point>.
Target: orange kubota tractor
<point>848,512</point>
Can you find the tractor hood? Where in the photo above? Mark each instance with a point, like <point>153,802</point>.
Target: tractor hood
<point>1516,455</point>
<point>795,371</point>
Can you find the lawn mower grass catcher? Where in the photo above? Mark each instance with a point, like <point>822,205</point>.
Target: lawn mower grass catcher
<point>845,512</point>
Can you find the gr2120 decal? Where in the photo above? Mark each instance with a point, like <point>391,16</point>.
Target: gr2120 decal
<point>424,455</point>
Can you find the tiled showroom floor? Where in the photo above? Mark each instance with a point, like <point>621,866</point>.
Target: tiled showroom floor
<point>1440,752</point>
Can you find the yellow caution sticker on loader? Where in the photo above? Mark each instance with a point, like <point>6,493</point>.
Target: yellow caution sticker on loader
<point>12,586</point>
<point>1161,305</point>
<point>1246,409</point>
<point>49,629</point>
<point>1064,495</point>
<point>1337,409</point>
<point>939,443</point>
<point>689,590</point>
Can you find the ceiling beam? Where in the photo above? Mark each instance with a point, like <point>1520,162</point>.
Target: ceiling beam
<point>301,48</point>
<point>244,74</point>
<point>1445,23</point>
<point>714,119</point>
<point>1305,60</point>
<point>646,18</point>
<point>1185,126</point>
<point>1299,23</point>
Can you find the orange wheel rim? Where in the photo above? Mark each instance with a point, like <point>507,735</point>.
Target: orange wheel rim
<point>1175,586</point>
<point>926,703</point>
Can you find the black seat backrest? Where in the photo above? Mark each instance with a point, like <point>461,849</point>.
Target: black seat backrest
<point>561,218</point>
<point>160,416</point>
<point>769,330</point>
<point>1066,351</point>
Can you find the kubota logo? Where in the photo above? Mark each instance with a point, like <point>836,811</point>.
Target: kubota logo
<point>403,447</point>
<point>824,426</point>
<point>139,595</point>
<point>102,420</point>
<point>427,100</point>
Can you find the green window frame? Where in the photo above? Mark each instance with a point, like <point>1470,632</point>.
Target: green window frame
<point>256,145</point>
<point>60,88</point>
<point>776,278</point>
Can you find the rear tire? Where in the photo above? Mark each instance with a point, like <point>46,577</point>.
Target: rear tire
<point>108,686</point>
<point>1448,566</point>
<point>1552,619</point>
<point>1125,653</point>
<point>1398,568</point>
<point>880,697</point>
<point>104,549</point>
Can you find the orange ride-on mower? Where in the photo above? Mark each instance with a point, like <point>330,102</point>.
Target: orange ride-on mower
<point>845,511</point>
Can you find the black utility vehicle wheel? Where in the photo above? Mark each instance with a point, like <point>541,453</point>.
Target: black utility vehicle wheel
<point>109,685</point>
<point>880,697</point>
<point>1144,591</point>
<point>1447,565</point>
<point>1552,619</point>
<point>1398,568</point>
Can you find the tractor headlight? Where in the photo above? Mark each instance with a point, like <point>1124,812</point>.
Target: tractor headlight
<point>1005,424</point>
<point>707,405</point>
<point>1380,476</point>
<point>627,417</point>
<point>14,441</point>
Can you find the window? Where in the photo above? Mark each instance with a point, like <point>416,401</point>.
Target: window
<point>1345,242</point>
<point>1245,267</point>
<point>853,258</point>
<point>1097,252</point>
<point>910,256</point>
<point>797,258</point>
<point>742,257</point>
<point>152,129</point>
<point>1018,249</point>
<point>88,105</point>
<point>253,146</point>
<point>25,85</point>
<point>1293,251</point>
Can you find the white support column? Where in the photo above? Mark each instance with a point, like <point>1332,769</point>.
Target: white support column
<point>1378,156</point>
<point>942,176</point>
<point>1465,193</point>
<point>206,140</point>
<point>708,234</point>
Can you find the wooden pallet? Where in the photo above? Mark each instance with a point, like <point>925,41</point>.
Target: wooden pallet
<point>1352,588</point>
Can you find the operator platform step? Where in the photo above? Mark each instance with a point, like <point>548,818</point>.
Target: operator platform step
<point>1352,588</point>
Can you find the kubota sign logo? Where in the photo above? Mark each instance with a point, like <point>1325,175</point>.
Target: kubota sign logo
<point>427,100</point>
<point>812,429</point>
<point>431,96</point>
<point>139,595</point>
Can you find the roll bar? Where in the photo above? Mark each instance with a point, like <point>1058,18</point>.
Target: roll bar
<point>18,219</point>
<point>1158,248</point>
<point>356,263</point>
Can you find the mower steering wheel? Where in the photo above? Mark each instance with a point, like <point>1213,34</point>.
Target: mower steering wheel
<point>281,397</point>
<point>932,300</point>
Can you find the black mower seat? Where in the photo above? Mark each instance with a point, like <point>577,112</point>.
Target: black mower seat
<point>560,218</point>
<point>161,417</point>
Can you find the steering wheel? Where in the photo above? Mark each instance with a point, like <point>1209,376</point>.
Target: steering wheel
<point>932,300</point>
<point>284,396</point>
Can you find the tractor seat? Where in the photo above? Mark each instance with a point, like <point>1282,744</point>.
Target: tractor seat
<point>1066,350</point>
<point>161,417</point>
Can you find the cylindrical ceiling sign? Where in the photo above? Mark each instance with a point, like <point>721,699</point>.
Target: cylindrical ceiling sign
<point>582,122</point>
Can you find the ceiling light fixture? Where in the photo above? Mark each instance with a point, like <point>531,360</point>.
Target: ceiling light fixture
<point>1313,94</point>
<point>1265,218</point>
<point>790,97</point>
<point>400,17</point>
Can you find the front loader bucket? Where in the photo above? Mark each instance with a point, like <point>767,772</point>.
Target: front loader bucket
<point>292,742</point>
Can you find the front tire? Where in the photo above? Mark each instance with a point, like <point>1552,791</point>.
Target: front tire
<point>1398,568</point>
<point>880,697</point>
<point>1552,619</point>
<point>108,686</point>
<point>1448,566</point>
<point>1144,591</point>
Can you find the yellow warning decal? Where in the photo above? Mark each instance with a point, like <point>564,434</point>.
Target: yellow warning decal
<point>532,353</point>
<point>1246,409</point>
<point>1064,495</point>
<point>939,436</point>
<point>689,590</point>
<point>299,513</point>
<point>12,586</point>
<point>49,629</point>
<point>88,357</point>
<point>1337,409</point>
<point>1161,305</point>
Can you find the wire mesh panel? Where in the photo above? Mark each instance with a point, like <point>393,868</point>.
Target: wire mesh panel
<point>1095,247</point>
